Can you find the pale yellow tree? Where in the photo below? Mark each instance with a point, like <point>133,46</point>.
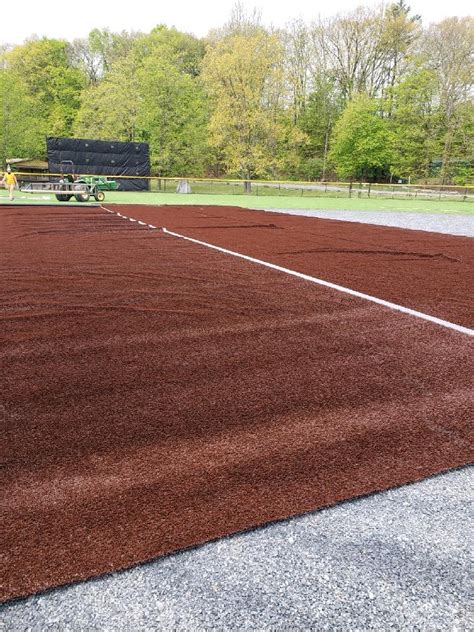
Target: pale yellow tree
<point>244,76</point>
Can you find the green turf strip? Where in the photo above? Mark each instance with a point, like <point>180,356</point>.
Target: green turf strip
<point>273,201</point>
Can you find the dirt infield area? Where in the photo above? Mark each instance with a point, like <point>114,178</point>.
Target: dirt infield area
<point>157,394</point>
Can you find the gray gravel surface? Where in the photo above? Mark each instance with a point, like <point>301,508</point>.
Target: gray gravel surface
<point>451,224</point>
<point>397,560</point>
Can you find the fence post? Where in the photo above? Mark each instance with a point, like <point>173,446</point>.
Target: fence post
<point>368,191</point>
<point>350,189</point>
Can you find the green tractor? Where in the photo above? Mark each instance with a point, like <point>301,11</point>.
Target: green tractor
<point>81,188</point>
<point>102,183</point>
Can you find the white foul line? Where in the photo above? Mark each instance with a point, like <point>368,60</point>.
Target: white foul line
<point>339,288</point>
<point>126,217</point>
<point>307,277</point>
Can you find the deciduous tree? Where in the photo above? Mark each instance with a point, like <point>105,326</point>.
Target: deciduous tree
<point>243,75</point>
<point>173,116</point>
<point>362,144</point>
<point>415,123</point>
<point>51,83</point>
<point>448,49</point>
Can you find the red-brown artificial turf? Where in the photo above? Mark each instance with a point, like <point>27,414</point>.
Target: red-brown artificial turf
<point>156,394</point>
<point>429,272</point>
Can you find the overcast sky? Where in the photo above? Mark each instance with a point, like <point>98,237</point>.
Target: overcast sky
<point>68,20</point>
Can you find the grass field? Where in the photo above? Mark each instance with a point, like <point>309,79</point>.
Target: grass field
<point>266,202</point>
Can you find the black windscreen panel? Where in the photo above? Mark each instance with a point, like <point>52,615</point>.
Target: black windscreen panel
<point>104,158</point>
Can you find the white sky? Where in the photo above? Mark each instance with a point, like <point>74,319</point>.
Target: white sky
<point>68,20</point>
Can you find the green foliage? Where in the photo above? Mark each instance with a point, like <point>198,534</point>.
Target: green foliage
<point>40,93</point>
<point>21,132</point>
<point>186,51</point>
<point>291,147</point>
<point>109,47</point>
<point>253,102</point>
<point>110,109</point>
<point>173,111</point>
<point>243,77</point>
<point>151,95</point>
<point>400,31</point>
<point>362,144</point>
<point>43,70</point>
<point>463,174</point>
<point>448,50</point>
<point>323,108</point>
<point>415,123</point>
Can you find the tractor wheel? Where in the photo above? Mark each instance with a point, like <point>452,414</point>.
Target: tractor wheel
<point>63,197</point>
<point>82,197</point>
<point>99,196</point>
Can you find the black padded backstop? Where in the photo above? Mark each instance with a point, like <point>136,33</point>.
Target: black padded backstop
<point>102,157</point>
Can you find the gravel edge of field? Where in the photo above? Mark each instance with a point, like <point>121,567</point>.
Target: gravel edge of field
<point>448,224</point>
<point>398,560</point>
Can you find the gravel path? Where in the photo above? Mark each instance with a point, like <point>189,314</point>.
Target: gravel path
<point>432,222</point>
<point>398,560</point>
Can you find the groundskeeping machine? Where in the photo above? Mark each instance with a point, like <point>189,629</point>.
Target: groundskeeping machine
<point>69,186</point>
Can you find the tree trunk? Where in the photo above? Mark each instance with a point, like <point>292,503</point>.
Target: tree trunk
<point>326,142</point>
<point>446,156</point>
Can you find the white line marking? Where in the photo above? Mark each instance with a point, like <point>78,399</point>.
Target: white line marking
<point>339,288</point>
<point>142,223</point>
<point>334,286</point>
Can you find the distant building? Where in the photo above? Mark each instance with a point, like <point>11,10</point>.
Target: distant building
<point>35,169</point>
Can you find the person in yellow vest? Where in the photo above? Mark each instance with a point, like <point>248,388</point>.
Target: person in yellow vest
<point>9,178</point>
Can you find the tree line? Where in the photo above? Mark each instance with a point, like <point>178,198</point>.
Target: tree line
<point>370,95</point>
